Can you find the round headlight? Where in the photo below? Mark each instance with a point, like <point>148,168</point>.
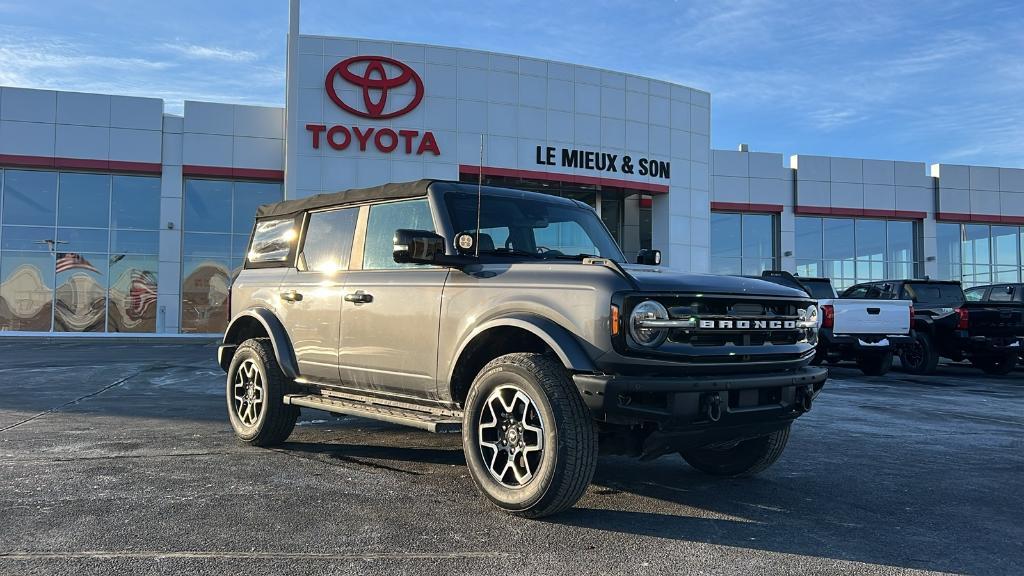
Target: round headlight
<point>647,336</point>
<point>809,317</point>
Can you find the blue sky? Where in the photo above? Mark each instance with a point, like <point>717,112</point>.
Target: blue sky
<point>908,80</point>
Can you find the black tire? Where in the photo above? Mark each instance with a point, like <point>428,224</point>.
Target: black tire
<point>746,458</point>
<point>920,357</point>
<point>269,422</point>
<point>568,452</point>
<point>874,364</point>
<point>996,365</point>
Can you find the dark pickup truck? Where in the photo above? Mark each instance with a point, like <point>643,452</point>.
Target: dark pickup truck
<point>1000,307</point>
<point>947,324</point>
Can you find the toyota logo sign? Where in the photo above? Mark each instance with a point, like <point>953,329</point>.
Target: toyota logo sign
<point>376,80</point>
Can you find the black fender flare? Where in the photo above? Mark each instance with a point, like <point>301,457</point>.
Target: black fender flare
<point>563,342</point>
<point>278,339</point>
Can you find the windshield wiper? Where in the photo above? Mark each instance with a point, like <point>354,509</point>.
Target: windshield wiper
<point>512,252</point>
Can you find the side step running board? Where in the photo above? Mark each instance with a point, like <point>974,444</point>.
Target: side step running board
<point>439,423</point>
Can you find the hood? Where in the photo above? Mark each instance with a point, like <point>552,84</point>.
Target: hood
<point>654,279</point>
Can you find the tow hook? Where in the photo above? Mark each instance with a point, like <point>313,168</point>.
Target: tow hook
<point>712,406</point>
<point>806,398</point>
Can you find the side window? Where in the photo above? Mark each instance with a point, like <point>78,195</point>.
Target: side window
<point>328,243</point>
<point>380,231</point>
<point>1001,294</point>
<point>856,292</point>
<point>272,241</point>
<point>975,294</point>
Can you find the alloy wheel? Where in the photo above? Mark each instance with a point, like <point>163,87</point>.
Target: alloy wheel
<point>510,433</point>
<point>248,393</point>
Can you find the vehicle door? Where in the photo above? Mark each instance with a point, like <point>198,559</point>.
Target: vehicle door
<point>311,292</point>
<point>390,312</point>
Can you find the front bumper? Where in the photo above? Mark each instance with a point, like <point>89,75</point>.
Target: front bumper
<point>739,399</point>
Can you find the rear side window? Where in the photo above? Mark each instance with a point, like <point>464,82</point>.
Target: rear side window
<point>380,231</point>
<point>328,244</point>
<point>974,294</point>
<point>1001,294</point>
<point>272,242</point>
<point>935,295</point>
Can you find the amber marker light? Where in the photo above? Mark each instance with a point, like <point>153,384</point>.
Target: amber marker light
<point>615,320</point>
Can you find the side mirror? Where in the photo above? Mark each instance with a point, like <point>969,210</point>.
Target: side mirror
<point>417,247</point>
<point>649,257</point>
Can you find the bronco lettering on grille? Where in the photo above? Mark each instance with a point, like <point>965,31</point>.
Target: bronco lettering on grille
<point>748,324</point>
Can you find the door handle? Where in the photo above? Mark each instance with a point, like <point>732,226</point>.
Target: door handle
<point>359,297</point>
<point>874,311</point>
<point>291,296</point>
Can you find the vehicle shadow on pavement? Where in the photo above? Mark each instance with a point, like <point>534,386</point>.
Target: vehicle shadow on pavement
<point>393,453</point>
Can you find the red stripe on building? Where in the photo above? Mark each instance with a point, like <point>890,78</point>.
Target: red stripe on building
<point>226,172</point>
<point>861,212</point>
<point>19,161</point>
<point>746,207</point>
<point>558,177</point>
<point>978,218</point>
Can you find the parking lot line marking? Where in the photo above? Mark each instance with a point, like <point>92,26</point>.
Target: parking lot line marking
<point>75,401</point>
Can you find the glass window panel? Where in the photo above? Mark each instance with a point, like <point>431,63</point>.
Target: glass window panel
<point>84,200</point>
<point>248,196</point>
<point>328,243</point>
<point>34,238</point>
<point>134,242</point>
<point>725,236</point>
<point>200,244</point>
<point>380,231</point>
<point>207,206</point>
<point>646,227</point>
<point>974,294</point>
<point>81,301</point>
<point>1001,294</point>
<point>204,294</point>
<point>30,197</point>
<point>808,238</point>
<point>272,241</point>
<point>26,290</point>
<point>900,241</point>
<point>133,289</point>
<point>976,244</point>
<point>611,214</point>
<point>838,238</point>
<point>1004,245</point>
<point>809,268</point>
<point>82,240</point>
<point>239,245</point>
<point>947,238</point>
<point>758,236</point>
<point>754,266</point>
<point>726,266</point>
<point>1005,273</point>
<point>135,202</point>
<point>870,236</point>
<point>899,270</point>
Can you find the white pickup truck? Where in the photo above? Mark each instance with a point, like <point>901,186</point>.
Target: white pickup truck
<point>862,329</point>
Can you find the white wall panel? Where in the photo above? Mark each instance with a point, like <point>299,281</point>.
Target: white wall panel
<point>27,105</point>
<point>136,145</point>
<point>83,109</point>
<point>91,142</point>
<point>26,138</point>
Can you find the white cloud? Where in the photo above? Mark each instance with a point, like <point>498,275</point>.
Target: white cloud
<point>198,52</point>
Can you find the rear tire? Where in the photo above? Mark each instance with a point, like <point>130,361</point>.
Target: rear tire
<point>996,365</point>
<point>746,458</point>
<point>255,395</point>
<point>874,364</point>
<point>529,440</point>
<point>920,357</point>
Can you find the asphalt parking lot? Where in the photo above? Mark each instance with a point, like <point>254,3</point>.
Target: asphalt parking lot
<point>117,458</point>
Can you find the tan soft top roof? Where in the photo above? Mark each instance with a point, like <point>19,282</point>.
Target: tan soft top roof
<point>385,192</point>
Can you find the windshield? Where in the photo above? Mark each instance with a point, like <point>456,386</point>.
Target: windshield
<point>532,227</point>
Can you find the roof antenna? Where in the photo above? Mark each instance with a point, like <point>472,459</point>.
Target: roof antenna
<point>479,195</point>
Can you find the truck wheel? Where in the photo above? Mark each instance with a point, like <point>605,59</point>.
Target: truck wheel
<point>529,440</point>
<point>920,357</point>
<point>746,458</point>
<point>998,365</point>
<point>255,395</point>
<point>874,364</point>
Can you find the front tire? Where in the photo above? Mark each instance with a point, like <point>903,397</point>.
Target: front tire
<point>255,395</point>
<point>745,458</point>
<point>921,357</point>
<point>529,440</point>
<point>874,364</point>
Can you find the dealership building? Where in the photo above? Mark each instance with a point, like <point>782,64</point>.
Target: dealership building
<point>117,217</point>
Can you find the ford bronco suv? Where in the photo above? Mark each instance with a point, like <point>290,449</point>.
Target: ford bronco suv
<point>513,318</point>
